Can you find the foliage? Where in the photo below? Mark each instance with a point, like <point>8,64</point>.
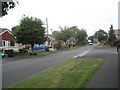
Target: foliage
<point>72,32</point>
<point>112,36</point>
<point>30,31</point>
<point>81,37</point>
<point>57,35</point>
<point>6,6</point>
<point>101,35</point>
<point>15,30</point>
<point>23,50</point>
<point>91,38</point>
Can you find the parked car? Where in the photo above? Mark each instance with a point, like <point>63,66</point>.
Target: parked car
<point>41,47</point>
<point>2,55</point>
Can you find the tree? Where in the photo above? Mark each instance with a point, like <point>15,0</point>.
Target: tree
<point>57,35</point>
<point>74,32</point>
<point>64,34</point>
<point>81,37</point>
<point>91,38</point>
<point>101,35</point>
<point>112,36</point>
<point>15,30</point>
<point>30,31</point>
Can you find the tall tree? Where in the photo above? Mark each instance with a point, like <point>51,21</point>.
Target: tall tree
<point>112,36</point>
<point>91,38</point>
<point>74,32</point>
<point>57,35</point>
<point>30,31</point>
<point>15,30</point>
<point>81,37</point>
<point>101,35</point>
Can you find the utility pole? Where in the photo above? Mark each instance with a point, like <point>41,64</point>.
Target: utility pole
<point>47,31</point>
<point>47,24</point>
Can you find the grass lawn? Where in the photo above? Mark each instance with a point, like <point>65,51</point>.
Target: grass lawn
<point>73,73</point>
<point>98,47</point>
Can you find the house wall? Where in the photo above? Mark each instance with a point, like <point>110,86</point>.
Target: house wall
<point>117,33</point>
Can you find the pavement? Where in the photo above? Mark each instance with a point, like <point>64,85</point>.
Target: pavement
<point>107,75</point>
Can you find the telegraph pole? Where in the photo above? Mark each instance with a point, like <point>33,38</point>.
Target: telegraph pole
<point>47,24</point>
<point>47,30</point>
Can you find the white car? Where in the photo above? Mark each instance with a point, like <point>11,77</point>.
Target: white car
<point>90,43</point>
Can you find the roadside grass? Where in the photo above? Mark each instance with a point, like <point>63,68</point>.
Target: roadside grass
<point>47,53</point>
<point>98,46</point>
<point>72,48</point>
<point>42,54</point>
<point>73,73</point>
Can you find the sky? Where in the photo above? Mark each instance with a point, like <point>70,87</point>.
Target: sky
<point>91,15</point>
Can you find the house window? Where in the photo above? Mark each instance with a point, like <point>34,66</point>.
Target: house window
<point>4,43</point>
<point>8,43</point>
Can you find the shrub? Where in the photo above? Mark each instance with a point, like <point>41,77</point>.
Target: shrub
<point>23,50</point>
<point>33,53</point>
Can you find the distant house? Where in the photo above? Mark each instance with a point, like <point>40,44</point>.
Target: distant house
<point>6,38</point>
<point>50,41</point>
<point>117,33</point>
<point>71,41</point>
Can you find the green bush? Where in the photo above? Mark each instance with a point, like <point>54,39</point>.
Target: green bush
<point>33,53</point>
<point>23,50</point>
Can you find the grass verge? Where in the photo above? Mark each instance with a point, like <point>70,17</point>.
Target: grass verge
<point>98,47</point>
<point>72,48</point>
<point>73,73</point>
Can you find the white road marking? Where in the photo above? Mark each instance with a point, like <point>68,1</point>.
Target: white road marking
<point>81,54</point>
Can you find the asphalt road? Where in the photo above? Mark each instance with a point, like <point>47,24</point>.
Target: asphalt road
<point>107,75</point>
<point>18,70</point>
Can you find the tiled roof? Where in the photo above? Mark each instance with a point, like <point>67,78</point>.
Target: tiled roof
<point>3,29</point>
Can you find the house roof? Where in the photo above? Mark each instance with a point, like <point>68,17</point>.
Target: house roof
<point>3,30</point>
<point>51,38</point>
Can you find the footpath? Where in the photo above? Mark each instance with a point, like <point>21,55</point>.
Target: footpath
<point>107,75</point>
